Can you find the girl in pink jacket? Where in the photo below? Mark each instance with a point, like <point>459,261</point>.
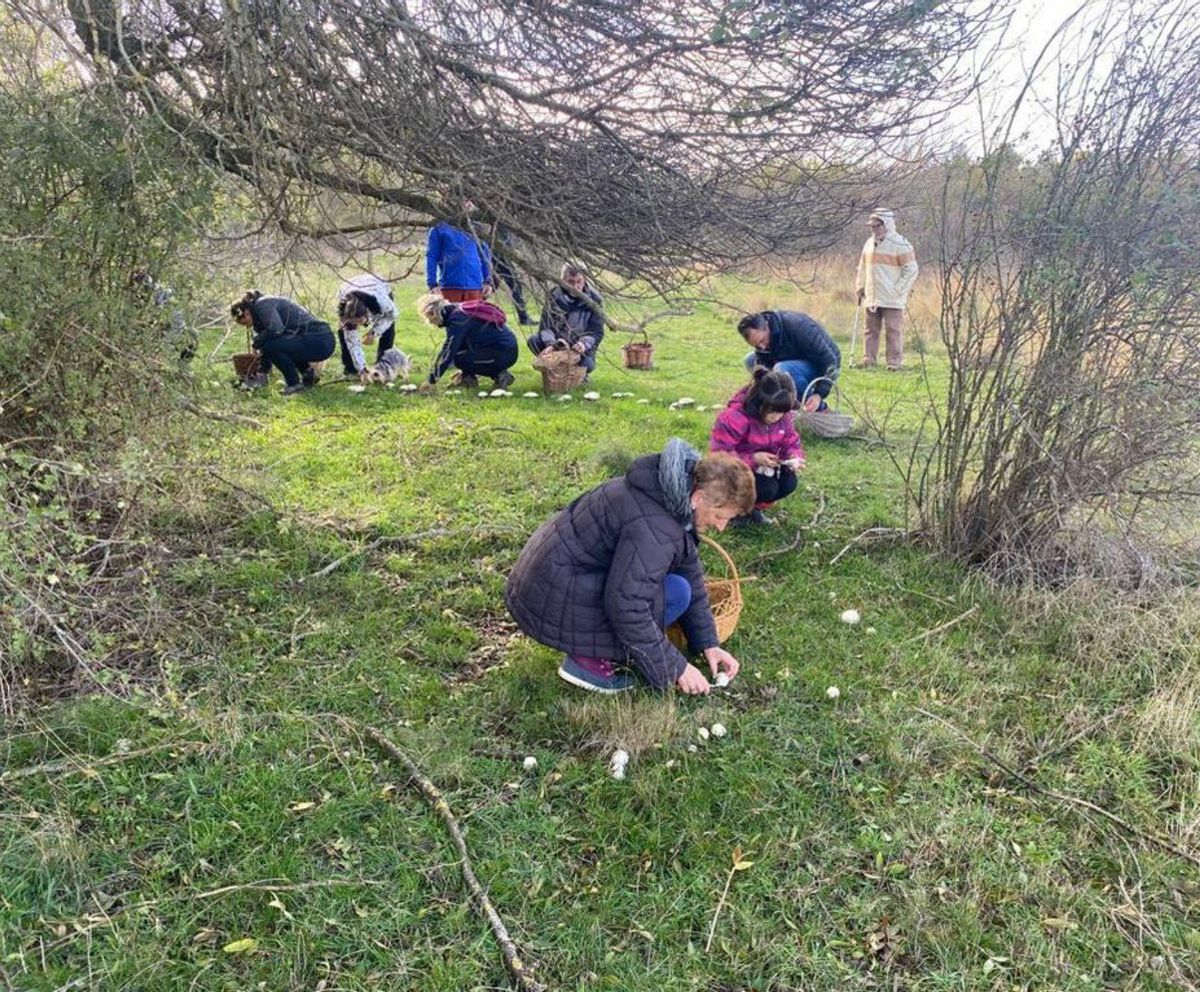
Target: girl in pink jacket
<point>758,426</point>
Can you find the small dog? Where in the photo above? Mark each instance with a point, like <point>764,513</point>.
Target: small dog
<point>392,363</point>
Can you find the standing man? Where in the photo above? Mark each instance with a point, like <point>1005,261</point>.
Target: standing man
<point>457,264</point>
<point>887,270</point>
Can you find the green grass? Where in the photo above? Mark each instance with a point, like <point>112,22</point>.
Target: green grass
<point>886,852</point>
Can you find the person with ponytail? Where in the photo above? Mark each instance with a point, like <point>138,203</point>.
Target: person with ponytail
<point>286,336</point>
<point>758,426</point>
<point>366,300</point>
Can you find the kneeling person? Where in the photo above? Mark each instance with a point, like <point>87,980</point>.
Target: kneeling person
<point>478,341</point>
<point>576,318</point>
<point>606,577</point>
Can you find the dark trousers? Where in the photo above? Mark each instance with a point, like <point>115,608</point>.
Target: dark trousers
<point>488,362</point>
<point>505,272</point>
<point>771,488</point>
<point>292,353</point>
<point>385,341</point>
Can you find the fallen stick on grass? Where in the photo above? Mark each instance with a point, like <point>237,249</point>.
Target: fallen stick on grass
<point>942,626</point>
<point>871,533</point>
<point>1061,797</point>
<point>512,958</point>
<point>75,766</point>
<point>398,541</point>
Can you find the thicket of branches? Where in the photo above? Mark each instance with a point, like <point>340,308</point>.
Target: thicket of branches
<point>644,137</point>
<point>1071,313</point>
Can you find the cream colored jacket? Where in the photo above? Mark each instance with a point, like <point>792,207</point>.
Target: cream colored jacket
<point>887,270</point>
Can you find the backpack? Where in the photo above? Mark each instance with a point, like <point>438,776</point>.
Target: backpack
<point>484,312</point>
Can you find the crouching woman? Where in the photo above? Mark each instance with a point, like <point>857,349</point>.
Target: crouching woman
<point>604,578</point>
<point>286,336</point>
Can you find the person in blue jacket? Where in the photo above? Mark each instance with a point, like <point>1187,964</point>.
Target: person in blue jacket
<point>793,342</point>
<point>458,265</point>
<point>478,342</point>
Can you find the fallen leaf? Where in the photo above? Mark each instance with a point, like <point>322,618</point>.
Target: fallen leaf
<point>243,946</point>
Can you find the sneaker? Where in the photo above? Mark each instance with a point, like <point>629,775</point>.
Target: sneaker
<point>464,380</point>
<point>866,364</point>
<point>594,675</point>
<point>894,368</point>
<point>527,321</point>
<point>258,381</point>
<point>293,389</point>
<point>505,379</point>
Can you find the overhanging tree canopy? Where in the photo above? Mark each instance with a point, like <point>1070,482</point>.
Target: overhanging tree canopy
<point>644,137</point>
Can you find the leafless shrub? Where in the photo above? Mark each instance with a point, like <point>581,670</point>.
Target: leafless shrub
<point>1071,316</point>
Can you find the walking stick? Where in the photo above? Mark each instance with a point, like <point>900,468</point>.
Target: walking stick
<point>854,333</point>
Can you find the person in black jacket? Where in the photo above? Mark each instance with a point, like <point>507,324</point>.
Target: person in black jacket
<point>794,343</point>
<point>285,335</point>
<point>604,578</point>
<point>478,342</point>
<point>571,317</point>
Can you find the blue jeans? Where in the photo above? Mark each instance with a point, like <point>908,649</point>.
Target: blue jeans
<point>677,597</point>
<point>801,370</point>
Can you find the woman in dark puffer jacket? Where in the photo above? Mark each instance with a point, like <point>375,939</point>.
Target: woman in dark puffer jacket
<point>604,578</point>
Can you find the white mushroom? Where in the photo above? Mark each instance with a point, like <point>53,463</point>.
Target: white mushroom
<point>591,397</point>
<point>531,395</point>
<point>617,763</point>
<point>530,763</point>
<point>718,730</point>
<point>851,617</point>
<point>833,692</point>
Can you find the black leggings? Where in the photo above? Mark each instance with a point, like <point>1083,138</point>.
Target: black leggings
<point>505,272</point>
<point>770,488</point>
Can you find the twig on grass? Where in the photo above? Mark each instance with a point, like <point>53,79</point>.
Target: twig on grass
<point>1125,825</point>
<point>73,766</point>
<point>224,418</point>
<point>399,541</point>
<point>819,511</point>
<point>738,865</point>
<point>512,958</point>
<point>943,626</point>
<point>870,534</point>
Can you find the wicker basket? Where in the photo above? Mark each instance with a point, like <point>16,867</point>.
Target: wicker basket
<point>826,423</point>
<point>724,599</point>
<point>561,369</point>
<point>245,365</point>
<point>638,355</point>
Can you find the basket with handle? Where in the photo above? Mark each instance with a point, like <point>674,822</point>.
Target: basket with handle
<point>724,600</point>
<point>562,369</point>
<point>638,354</point>
<point>825,423</point>
<point>246,364</point>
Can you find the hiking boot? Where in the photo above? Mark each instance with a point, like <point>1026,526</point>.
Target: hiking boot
<point>895,368</point>
<point>505,379</point>
<point>594,675</point>
<point>292,390</point>
<point>866,363</point>
<point>256,381</point>
<point>464,380</point>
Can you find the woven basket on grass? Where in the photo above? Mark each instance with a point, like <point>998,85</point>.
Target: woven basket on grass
<point>826,423</point>
<point>638,355</point>
<point>724,599</point>
<point>246,364</point>
<point>561,369</point>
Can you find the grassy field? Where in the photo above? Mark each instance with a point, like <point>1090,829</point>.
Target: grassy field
<point>223,827</point>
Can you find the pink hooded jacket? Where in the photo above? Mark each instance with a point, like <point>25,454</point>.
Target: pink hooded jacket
<point>740,434</point>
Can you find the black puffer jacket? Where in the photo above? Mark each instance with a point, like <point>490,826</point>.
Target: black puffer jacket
<point>590,580</point>
<point>797,335</point>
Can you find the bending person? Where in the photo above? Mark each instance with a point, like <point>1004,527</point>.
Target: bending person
<point>573,314</point>
<point>457,264</point>
<point>478,342</point>
<point>604,578</point>
<point>794,343</point>
<point>286,336</point>
<point>366,300</point>
<point>758,426</point>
